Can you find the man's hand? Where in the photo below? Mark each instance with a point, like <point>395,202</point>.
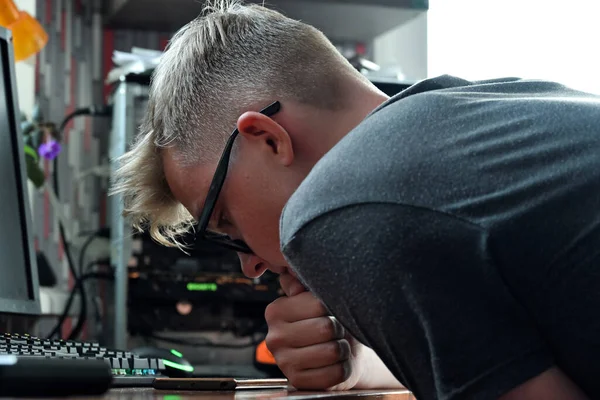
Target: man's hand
<point>312,349</point>
<point>309,346</point>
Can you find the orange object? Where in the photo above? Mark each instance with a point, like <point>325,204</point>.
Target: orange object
<point>263,355</point>
<point>29,37</point>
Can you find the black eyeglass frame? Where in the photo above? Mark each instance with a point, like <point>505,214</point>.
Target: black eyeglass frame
<point>215,189</point>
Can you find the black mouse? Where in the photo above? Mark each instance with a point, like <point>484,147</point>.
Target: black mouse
<point>175,365</point>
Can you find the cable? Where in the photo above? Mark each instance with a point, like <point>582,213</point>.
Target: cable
<point>82,319</point>
<point>100,233</point>
<point>79,282</point>
<point>95,111</point>
<point>76,331</point>
<point>205,343</point>
<point>92,111</point>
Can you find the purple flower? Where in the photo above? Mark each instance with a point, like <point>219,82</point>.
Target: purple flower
<point>49,150</point>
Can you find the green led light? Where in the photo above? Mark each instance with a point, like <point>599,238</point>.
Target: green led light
<point>201,287</point>
<point>186,368</point>
<point>176,353</point>
<point>171,397</point>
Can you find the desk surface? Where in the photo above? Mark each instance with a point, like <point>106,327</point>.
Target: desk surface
<point>151,394</point>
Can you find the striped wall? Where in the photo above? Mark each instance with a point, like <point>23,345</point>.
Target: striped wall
<point>70,74</point>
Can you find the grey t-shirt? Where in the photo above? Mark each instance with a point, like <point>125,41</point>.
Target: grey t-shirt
<point>456,231</point>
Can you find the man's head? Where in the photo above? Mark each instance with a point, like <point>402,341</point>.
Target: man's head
<point>216,74</point>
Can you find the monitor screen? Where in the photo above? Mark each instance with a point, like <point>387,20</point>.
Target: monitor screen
<point>18,270</point>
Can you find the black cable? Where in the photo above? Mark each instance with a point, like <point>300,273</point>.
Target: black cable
<point>92,111</point>
<point>76,331</point>
<point>79,282</point>
<point>103,232</point>
<point>205,343</point>
<point>81,320</point>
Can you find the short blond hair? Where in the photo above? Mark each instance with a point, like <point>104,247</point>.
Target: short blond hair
<point>229,60</point>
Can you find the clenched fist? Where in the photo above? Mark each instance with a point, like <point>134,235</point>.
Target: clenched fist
<point>310,347</point>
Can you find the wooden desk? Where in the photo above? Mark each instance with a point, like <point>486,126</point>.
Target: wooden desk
<point>151,394</point>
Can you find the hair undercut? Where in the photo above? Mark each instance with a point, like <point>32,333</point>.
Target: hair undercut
<point>231,59</point>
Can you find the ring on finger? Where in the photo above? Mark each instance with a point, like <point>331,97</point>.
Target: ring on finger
<point>338,330</point>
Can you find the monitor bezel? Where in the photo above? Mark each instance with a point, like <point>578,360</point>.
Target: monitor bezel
<point>12,306</point>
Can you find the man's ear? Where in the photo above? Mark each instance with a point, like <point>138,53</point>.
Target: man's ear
<point>259,129</point>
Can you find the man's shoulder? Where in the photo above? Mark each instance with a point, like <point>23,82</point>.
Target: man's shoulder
<point>361,166</point>
<point>349,173</point>
<point>425,146</point>
<point>352,171</point>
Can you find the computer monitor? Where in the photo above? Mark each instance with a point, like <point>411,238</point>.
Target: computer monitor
<point>19,286</point>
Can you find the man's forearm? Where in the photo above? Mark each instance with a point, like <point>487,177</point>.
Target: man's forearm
<point>376,375</point>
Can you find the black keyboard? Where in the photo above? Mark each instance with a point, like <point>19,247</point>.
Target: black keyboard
<point>127,368</point>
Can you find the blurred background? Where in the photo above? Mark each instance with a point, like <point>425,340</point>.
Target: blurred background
<point>74,54</point>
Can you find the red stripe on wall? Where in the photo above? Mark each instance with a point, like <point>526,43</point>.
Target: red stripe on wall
<point>48,12</point>
<point>61,249</point>
<point>68,325</point>
<point>163,42</point>
<point>63,30</point>
<point>71,107</point>
<point>107,53</point>
<point>66,328</point>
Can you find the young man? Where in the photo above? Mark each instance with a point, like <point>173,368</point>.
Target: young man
<point>453,231</point>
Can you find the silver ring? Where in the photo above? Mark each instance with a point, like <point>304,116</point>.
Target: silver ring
<point>338,329</point>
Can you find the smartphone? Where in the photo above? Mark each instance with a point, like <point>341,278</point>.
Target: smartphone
<point>218,384</point>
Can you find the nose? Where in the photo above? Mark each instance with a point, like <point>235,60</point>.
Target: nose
<point>252,266</point>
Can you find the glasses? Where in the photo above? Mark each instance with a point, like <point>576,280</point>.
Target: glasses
<point>215,188</point>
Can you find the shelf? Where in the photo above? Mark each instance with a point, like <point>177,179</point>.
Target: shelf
<point>388,86</point>
<point>361,20</point>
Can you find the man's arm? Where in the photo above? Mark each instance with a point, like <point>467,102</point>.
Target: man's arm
<point>421,288</point>
<point>375,374</point>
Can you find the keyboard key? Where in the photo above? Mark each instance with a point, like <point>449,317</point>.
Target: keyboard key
<point>140,363</point>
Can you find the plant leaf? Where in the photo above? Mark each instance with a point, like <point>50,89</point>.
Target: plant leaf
<point>34,172</point>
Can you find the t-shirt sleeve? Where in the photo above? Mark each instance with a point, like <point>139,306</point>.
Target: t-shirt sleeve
<point>421,288</point>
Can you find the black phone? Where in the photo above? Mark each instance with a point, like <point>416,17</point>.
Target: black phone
<point>218,384</point>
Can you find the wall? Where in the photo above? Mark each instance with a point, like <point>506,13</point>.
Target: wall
<point>25,70</point>
<point>69,75</point>
<point>553,40</point>
<point>404,48</point>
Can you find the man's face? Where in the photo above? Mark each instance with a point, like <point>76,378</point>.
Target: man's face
<point>260,180</point>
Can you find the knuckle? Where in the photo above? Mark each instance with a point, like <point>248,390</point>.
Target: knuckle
<point>339,376</point>
<point>333,351</point>
<point>296,381</point>
<point>272,312</point>
<point>286,364</point>
<point>326,328</point>
<point>274,341</point>
<point>331,329</point>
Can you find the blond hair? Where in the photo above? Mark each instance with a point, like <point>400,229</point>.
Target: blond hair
<point>231,59</point>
